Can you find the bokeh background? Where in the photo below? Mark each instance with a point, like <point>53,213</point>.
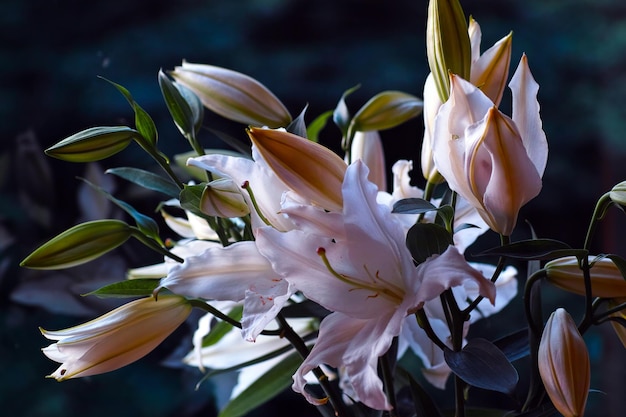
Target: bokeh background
<point>306,52</point>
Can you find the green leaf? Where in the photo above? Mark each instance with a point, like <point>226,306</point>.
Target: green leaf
<point>316,126</point>
<point>297,125</point>
<point>427,239</point>
<point>386,110</point>
<point>79,244</point>
<point>220,329</point>
<point>93,144</point>
<point>190,198</point>
<point>146,224</point>
<point>147,180</point>
<point>412,206</point>
<point>515,345</point>
<point>543,249</point>
<point>341,114</point>
<point>143,122</point>
<point>184,106</point>
<point>127,288</point>
<point>264,388</point>
<point>481,364</point>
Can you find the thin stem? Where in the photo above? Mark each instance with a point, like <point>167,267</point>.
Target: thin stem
<point>202,305</point>
<point>387,373</point>
<point>334,397</point>
<point>424,323</point>
<point>155,246</point>
<point>598,213</point>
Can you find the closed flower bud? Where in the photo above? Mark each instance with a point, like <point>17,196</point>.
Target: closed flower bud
<point>117,338</point>
<point>606,279</point>
<point>310,169</point>
<point>223,198</point>
<point>93,144</point>
<point>564,364</point>
<point>368,147</point>
<point>233,95</point>
<point>618,193</point>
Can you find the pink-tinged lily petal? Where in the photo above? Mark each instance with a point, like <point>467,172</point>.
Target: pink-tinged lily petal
<point>500,171</point>
<point>236,273</point>
<point>267,188</point>
<point>491,70</point>
<point>526,115</point>
<point>450,269</point>
<point>432,103</point>
<point>308,167</point>
<point>412,336</point>
<point>475,35</point>
<point>368,147</point>
<point>354,345</point>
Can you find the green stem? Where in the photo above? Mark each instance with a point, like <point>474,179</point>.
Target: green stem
<point>535,388</point>
<point>155,246</point>
<point>424,323</point>
<point>598,213</point>
<point>334,396</point>
<point>203,305</point>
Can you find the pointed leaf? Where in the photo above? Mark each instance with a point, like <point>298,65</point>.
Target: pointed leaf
<point>184,106</point>
<point>341,114</point>
<point>128,288</point>
<point>515,345</point>
<point>427,239</point>
<point>316,126</point>
<point>143,122</point>
<point>146,179</point>
<point>413,206</point>
<point>619,262</point>
<point>190,198</point>
<point>423,403</point>
<point>79,244</point>
<point>93,144</point>
<point>534,249</point>
<point>264,388</point>
<point>481,364</point>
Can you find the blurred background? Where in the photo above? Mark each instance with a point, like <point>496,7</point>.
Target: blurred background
<point>308,53</point>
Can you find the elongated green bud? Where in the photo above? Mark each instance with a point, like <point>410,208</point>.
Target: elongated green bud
<point>79,244</point>
<point>93,144</point>
<point>447,43</point>
<point>386,110</point>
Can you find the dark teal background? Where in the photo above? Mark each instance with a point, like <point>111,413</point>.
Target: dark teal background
<point>306,52</point>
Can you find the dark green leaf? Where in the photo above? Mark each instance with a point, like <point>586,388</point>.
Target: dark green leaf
<point>297,125</point>
<point>184,106</point>
<point>316,126</point>
<point>341,114</point>
<point>481,364</point>
<point>515,345</point>
<point>190,198</point>
<point>264,388</point>
<point>143,122</point>
<point>543,249</point>
<point>413,206</point>
<point>307,308</point>
<point>427,239</point>
<point>79,244</point>
<point>127,288</point>
<point>147,179</point>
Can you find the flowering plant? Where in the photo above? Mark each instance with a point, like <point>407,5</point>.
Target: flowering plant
<point>331,277</point>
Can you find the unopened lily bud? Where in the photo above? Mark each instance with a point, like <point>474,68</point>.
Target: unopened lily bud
<point>618,193</point>
<point>117,338</point>
<point>606,279</point>
<point>93,144</point>
<point>564,364</point>
<point>368,147</point>
<point>233,95</point>
<point>447,43</point>
<point>223,198</point>
<point>310,169</point>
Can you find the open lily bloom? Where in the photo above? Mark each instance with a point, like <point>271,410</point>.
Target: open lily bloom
<point>494,162</point>
<point>364,274</point>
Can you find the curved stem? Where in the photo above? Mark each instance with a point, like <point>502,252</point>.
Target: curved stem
<point>202,305</point>
<point>598,213</point>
